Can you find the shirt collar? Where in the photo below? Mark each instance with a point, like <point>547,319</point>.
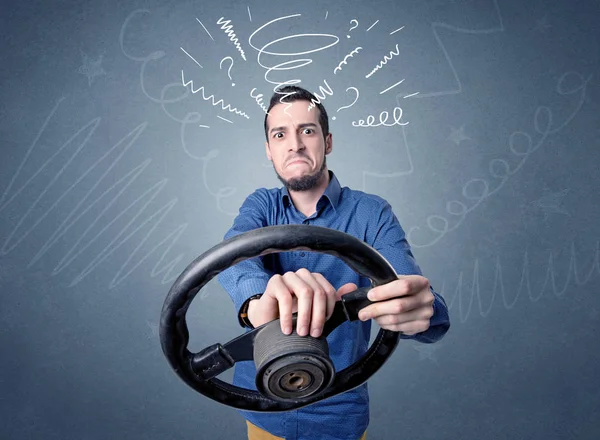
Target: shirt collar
<point>332,193</point>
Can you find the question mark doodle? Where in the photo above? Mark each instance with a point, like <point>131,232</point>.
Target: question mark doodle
<point>354,27</point>
<point>228,70</point>
<point>353,102</point>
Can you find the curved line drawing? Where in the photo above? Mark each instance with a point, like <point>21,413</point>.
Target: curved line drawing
<point>437,25</point>
<point>344,61</point>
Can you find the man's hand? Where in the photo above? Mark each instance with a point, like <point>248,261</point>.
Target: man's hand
<point>410,314</point>
<point>307,293</point>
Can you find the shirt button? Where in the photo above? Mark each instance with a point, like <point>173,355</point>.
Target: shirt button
<point>302,254</point>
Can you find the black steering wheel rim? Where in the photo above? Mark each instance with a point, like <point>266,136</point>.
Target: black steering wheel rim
<point>174,336</point>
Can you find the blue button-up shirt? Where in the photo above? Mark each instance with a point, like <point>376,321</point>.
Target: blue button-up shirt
<point>365,216</point>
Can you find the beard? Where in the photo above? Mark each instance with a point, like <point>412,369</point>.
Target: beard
<point>304,183</point>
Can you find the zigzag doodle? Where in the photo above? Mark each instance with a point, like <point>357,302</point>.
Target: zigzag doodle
<point>212,98</point>
<point>228,28</point>
<point>383,62</point>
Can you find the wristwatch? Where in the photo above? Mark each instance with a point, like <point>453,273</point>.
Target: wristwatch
<point>243,316</point>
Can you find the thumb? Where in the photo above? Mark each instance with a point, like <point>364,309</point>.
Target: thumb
<point>346,288</point>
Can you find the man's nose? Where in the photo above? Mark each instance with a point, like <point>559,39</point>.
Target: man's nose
<point>296,143</point>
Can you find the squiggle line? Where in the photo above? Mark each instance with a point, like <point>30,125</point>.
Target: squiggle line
<point>344,62</point>
<point>320,97</point>
<point>229,32</point>
<point>78,212</point>
<point>295,64</point>
<point>258,99</point>
<point>383,62</point>
<point>190,118</point>
<point>212,98</point>
<point>524,284</point>
<point>499,168</point>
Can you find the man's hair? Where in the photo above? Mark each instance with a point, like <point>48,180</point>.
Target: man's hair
<point>288,94</point>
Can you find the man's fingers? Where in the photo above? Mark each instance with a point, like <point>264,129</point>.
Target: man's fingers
<point>278,289</point>
<point>390,307</point>
<point>319,291</point>
<point>403,286</point>
<point>304,293</point>
<point>330,294</point>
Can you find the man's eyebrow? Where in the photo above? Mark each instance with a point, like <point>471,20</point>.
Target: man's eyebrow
<point>304,125</point>
<point>277,129</point>
<point>307,124</point>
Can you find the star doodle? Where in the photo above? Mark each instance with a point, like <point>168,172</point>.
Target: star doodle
<point>427,351</point>
<point>550,203</point>
<point>153,334</point>
<point>458,135</point>
<point>542,25</point>
<point>91,67</point>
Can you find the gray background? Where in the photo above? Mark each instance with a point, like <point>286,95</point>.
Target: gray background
<point>110,186</point>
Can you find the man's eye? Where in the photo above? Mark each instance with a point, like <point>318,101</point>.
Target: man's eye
<point>278,135</point>
<point>308,130</point>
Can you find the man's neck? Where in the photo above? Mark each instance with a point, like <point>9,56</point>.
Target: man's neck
<point>306,201</point>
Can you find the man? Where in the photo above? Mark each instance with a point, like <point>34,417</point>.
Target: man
<point>298,141</point>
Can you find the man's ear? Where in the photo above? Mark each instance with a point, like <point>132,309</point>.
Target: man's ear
<point>268,151</point>
<point>328,143</point>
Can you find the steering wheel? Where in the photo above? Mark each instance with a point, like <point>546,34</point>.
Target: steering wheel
<point>292,371</point>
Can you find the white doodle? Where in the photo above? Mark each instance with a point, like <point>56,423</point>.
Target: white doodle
<point>461,303</point>
<point>383,62</point>
<point>427,351</point>
<point>228,29</point>
<point>436,25</point>
<point>344,61</point>
<point>80,209</point>
<point>549,203</point>
<point>399,29</point>
<point>353,27</point>
<point>542,25</point>
<point>391,87</point>
<point>320,95</point>
<point>411,167</point>
<point>383,117</point>
<point>290,64</point>
<point>211,37</point>
<point>478,190</point>
<point>258,99</point>
<point>91,67</point>
<point>228,70</point>
<point>371,27</point>
<point>411,95</point>
<point>458,135</point>
<point>194,59</point>
<point>249,14</point>
<point>211,98</point>
<point>352,103</point>
<point>226,120</point>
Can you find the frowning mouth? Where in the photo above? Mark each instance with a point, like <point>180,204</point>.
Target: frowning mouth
<point>296,161</point>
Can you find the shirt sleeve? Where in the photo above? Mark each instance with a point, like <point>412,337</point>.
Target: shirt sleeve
<point>248,277</point>
<point>389,239</point>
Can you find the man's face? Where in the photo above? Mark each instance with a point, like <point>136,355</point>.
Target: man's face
<point>296,145</point>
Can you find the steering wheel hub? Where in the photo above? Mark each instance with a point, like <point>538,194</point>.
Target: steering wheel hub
<point>291,366</point>
<point>292,371</point>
